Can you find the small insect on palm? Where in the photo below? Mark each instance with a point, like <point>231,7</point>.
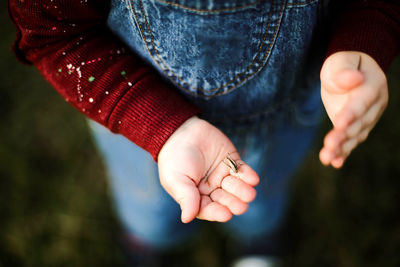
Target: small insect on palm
<point>231,164</point>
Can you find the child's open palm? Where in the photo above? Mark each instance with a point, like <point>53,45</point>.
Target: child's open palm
<point>194,170</point>
<point>355,93</point>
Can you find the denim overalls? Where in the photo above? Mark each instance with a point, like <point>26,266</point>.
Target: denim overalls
<point>253,67</point>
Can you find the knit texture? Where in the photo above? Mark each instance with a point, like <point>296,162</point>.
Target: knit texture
<point>372,27</point>
<point>70,44</point>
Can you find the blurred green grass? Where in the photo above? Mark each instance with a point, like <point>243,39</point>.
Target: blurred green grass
<point>55,206</point>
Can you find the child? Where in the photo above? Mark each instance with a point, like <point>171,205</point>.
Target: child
<point>238,88</point>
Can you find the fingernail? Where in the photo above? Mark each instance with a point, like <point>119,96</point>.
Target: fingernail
<point>338,163</point>
<point>325,156</point>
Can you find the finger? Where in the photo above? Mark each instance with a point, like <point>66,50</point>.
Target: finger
<point>356,107</point>
<point>334,138</point>
<point>363,135</point>
<point>214,180</point>
<point>332,143</point>
<point>247,174</point>
<point>213,211</point>
<point>234,204</point>
<point>360,129</point>
<point>354,129</point>
<point>347,79</point>
<point>349,145</point>
<point>215,177</point>
<point>329,155</point>
<point>185,192</point>
<point>325,156</point>
<point>369,120</point>
<point>328,158</point>
<point>357,130</point>
<point>238,188</point>
<point>340,72</point>
<point>338,162</point>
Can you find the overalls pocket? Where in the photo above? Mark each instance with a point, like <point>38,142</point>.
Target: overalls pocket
<point>206,48</point>
<point>236,60</point>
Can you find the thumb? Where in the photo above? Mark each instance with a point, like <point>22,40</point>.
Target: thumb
<point>341,72</point>
<point>184,190</point>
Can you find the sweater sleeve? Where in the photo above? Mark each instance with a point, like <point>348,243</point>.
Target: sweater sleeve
<point>369,26</point>
<point>70,44</point>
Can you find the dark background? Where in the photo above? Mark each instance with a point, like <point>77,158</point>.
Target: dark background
<point>55,206</point>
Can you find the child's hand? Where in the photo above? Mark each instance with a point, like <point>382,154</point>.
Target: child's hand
<point>192,171</point>
<point>355,93</point>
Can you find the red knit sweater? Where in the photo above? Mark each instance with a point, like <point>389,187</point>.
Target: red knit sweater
<point>70,44</point>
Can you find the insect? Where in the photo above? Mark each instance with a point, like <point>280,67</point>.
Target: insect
<point>231,164</point>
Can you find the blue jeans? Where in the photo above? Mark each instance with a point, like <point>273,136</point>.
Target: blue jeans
<point>149,214</point>
<point>252,67</point>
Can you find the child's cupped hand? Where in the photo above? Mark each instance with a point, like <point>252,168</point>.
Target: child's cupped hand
<point>192,170</point>
<point>355,93</point>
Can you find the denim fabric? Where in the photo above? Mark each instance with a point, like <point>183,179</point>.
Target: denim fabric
<point>145,209</point>
<point>216,55</point>
<point>253,68</point>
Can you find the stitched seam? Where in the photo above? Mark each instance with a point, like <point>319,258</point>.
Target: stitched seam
<point>300,3</point>
<point>224,85</point>
<point>144,37</point>
<point>262,61</point>
<point>148,50</point>
<point>206,10</point>
<point>201,89</point>
<point>152,37</point>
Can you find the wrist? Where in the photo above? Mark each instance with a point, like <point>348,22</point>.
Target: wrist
<point>183,134</point>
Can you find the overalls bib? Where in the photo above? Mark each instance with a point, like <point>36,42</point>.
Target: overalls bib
<point>253,68</point>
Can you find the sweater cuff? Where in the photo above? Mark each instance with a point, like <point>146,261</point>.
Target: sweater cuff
<point>150,114</point>
<point>368,31</point>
